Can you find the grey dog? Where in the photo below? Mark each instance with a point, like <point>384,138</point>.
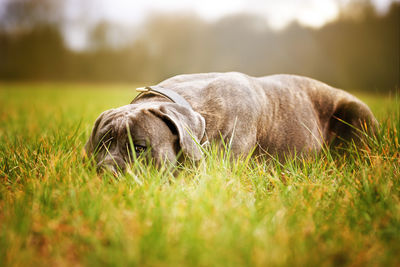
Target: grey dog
<point>273,115</point>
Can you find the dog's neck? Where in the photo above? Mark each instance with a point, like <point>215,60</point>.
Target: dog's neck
<point>161,91</point>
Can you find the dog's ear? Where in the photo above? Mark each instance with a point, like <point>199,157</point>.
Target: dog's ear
<point>189,125</point>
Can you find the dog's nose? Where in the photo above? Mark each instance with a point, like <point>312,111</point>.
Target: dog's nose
<point>107,168</point>
<point>114,166</point>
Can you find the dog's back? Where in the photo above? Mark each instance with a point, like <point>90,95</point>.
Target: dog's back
<point>280,113</point>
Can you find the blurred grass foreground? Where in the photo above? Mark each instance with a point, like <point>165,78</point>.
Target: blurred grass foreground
<point>55,210</point>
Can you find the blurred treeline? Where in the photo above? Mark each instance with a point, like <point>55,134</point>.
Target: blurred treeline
<point>359,50</point>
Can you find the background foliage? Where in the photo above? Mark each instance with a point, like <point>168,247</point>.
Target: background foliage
<point>359,50</point>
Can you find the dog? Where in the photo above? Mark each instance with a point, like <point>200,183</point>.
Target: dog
<point>276,115</point>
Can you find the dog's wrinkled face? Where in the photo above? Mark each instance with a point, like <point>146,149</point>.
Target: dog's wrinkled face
<point>155,130</point>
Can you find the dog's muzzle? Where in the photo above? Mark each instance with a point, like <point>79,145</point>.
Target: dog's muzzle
<point>115,166</point>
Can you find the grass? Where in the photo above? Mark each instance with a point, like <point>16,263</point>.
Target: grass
<point>55,209</point>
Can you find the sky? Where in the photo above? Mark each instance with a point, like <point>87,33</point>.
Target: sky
<point>277,13</point>
<point>82,14</point>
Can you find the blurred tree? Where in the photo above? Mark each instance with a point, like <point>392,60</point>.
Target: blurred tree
<point>176,44</point>
<point>37,54</point>
<point>21,15</point>
<point>362,53</point>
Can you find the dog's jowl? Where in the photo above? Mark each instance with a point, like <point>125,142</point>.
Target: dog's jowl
<point>275,115</point>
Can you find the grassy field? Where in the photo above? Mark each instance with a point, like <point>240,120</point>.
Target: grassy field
<point>55,210</point>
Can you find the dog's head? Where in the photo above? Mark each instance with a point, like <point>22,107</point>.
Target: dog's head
<point>159,130</point>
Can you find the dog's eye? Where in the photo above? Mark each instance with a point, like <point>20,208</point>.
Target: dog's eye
<point>140,149</point>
